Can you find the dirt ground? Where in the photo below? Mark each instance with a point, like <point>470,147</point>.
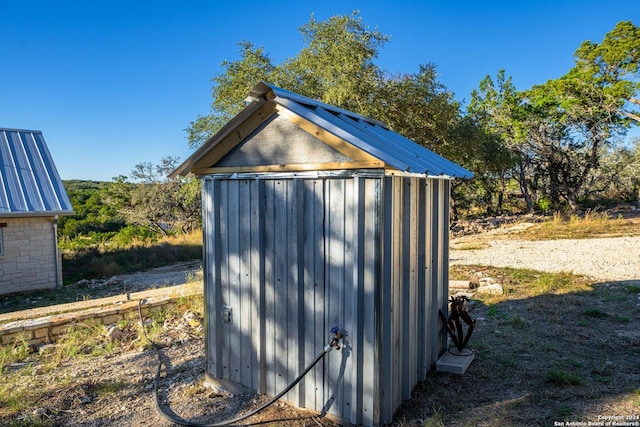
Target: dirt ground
<point>542,361</point>
<point>558,357</point>
<point>118,391</point>
<point>175,274</point>
<point>171,275</point>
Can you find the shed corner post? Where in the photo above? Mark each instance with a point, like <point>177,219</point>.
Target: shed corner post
<point>211,293</point>
<point>385,316</point>
<point>445,227</point>
<point>439,259</point>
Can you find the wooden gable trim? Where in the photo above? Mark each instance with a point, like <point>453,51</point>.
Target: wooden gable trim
<point>235,136</point>
<point>328,138</point>
<point>297,167</point>
<point>232,137</point>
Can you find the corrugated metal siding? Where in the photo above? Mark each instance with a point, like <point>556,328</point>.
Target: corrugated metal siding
<point>293,256</point>
<point>29,181</point>
<point>414,283</point>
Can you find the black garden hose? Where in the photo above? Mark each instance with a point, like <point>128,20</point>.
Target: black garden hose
<point>180,421</point>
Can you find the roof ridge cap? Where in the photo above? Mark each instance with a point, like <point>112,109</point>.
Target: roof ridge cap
<point>263,89</point>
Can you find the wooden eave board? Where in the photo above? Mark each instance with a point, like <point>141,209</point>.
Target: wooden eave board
<point>243,124</point>
<point>186,167</point>
<point>359,138</point>
<point>297,167</point>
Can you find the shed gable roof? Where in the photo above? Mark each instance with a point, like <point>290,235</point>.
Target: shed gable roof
<point>29,181</point>
<point>369,142</point>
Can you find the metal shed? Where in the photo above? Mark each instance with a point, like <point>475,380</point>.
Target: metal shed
<point>315,217</point>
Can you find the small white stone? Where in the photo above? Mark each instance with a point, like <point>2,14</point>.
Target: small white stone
<point>492,289</point>
<point>114,334</point>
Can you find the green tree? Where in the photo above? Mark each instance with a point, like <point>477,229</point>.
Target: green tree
<point>229,91</point>
<point>418,106</point>
<point>424,110</point>
<point>91,215</point>
<point>558,132</point>
<point>337,65</point>
<point>630,174</point>
<point>618,177</point>
<point>498,110</point>
<point>575,119</point>
<point>612,66</point>
<point>161,204</point>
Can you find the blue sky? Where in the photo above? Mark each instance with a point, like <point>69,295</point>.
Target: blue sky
<point>113,83</point>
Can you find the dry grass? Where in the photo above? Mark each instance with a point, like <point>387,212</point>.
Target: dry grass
<point>117,389</point>
<point>470,245</point>
<point>554,347</point>
<point>589,225</point>
<point>108,259</point>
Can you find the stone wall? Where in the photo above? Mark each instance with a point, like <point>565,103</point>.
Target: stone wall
<point>29,256</point>
<point>46,324</point>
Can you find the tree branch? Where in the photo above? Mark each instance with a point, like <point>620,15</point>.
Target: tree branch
<point>632,116</point>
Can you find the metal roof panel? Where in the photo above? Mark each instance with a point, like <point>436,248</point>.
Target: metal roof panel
<point>371,136</point>
<point>333,124</point>
<point>29,180</point>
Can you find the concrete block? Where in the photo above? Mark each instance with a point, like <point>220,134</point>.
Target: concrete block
<point>11,328</point>
<point>61,319</point>
<point>41,333</point>
<point>39,326</point>
<point>455,362</point>
<point>113,318</point>
<point>59,330</point>
<point>10,338</point>
<point>459,284</point>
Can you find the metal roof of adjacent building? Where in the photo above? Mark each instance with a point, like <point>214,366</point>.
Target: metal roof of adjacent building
<point>368,135</point>
<point>29,181</point>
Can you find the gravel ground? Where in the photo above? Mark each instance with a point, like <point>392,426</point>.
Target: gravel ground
<point>604,259</point>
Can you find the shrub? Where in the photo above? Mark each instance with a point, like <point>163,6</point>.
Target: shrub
<point>560,377</point>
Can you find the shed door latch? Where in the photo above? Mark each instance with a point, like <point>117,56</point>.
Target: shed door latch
<point>227,314</point>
